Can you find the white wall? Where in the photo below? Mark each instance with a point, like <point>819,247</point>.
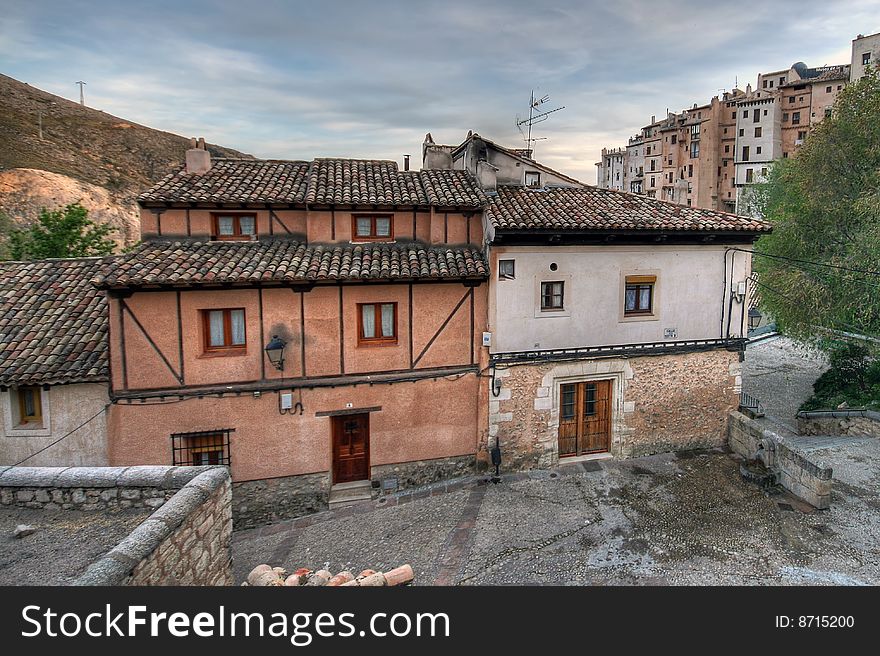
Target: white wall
<point>64,408</point>
<point>868,44</point>
<point>688,295</point>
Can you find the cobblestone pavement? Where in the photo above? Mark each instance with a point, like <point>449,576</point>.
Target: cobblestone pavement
<point>780,373</point>
<point>683,518</point>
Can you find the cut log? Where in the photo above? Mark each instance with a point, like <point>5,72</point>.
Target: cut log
<point>375,580</point>
<point>319,578</point>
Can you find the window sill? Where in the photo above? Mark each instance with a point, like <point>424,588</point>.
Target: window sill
<point>378,342</point>
<point>373,240</point>
<point>226,353</point>
<point>627,318</point>
<point>30,429</point>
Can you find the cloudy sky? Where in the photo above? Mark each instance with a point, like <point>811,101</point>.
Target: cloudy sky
<point>297,79</point>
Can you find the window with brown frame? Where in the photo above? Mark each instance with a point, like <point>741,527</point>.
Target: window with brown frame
<point>235,227</point>
<point>377,324</point>
<point>224,330</point>
<point>372,227</point>
<point>639,295</point>
<point>552,296</point>
<point>30,405</point>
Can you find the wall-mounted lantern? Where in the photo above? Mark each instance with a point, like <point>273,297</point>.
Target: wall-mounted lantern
<point>755,317</point>
<point>275,352</point>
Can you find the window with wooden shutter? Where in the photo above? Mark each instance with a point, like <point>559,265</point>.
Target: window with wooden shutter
<point>639,295</point>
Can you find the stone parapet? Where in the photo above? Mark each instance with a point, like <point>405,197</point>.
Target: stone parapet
<point>839,422</point>
<point>185,541</point>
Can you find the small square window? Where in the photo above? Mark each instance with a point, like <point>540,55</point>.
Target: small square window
<point>30,406</point>
<point>639,295</point>
<point>533,179</point>
<point>235,227</point>
<point>757,132</point>
<point>377,323</point>
<point>827,89</point>
<point>552,295</point>
<point>224,330</point>
<point>203,448</point>
<point>371,228</point>
<point>796,118</point>
<point>866,58</point>
<point>506,269</point>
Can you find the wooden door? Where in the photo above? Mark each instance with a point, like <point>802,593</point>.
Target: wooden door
<point>584,418</point>
<point>351,448</point>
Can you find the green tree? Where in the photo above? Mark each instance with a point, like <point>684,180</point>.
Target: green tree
<point>819,267</point>
<point>6,227</point>
<point>65,232</point>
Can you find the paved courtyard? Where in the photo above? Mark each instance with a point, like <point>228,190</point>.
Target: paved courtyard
<point>666,519</point>
<point>685,518</point>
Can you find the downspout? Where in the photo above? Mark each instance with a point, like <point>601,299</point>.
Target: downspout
<point>730,302</point>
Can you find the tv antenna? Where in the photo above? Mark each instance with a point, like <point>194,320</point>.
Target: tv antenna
<point>524,125</point>
<point>82,100</point>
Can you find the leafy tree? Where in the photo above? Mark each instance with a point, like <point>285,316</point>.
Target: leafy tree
<point>65,232</point>
<point>6,227</point>
<point>819,269</point>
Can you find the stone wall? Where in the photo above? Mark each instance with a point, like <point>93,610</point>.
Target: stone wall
<point>659,403</point>
<point>405,475</point>
<point>839,422</point>
<point>795,471</point>
<point>260,502</point>
<point>255,503</point>
<point>185,541</point>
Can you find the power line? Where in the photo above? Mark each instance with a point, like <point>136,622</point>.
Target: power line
<point>794,259</point>
<point>66,435</point>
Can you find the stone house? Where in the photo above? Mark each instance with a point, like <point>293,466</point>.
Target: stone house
<point>53,363</point>
<point>617,323</point>
<point>315,325</point>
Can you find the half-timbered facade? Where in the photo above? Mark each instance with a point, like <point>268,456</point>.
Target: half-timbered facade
<point>315,325</point>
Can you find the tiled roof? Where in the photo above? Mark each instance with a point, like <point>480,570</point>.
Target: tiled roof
<point>321,182</point>
<point>235,181</point>
<point>591,208</point>
<point>53,322</point>
<point>192,263</point>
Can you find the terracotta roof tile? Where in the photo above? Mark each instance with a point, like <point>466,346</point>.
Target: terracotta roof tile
<point>188,263</point>
<point>320,182</point>
<point>53,322</point>
<point>592,208</point>
<point>235,181</point>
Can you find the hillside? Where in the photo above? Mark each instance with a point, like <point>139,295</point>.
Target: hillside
<point>103,160</point>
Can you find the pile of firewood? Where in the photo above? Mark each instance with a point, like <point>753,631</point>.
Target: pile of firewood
<point>266,575</point>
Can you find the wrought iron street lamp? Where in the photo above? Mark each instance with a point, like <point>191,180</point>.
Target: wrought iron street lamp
<point>275,352</point>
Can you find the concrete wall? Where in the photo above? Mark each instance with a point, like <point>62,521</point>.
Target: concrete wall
<point>795,471</point>
<point>659,403</point>
<point>184,542</point>
<point>510,170</point>
<point>688,295</point>
<point>64,408</point>
<point>839,422</point>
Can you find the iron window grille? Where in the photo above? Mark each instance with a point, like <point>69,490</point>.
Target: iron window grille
<point>201,448</point>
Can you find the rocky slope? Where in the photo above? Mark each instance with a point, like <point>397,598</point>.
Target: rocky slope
<point>84,155</point>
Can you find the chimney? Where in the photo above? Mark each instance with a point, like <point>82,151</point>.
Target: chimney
<point>435,156</point>
<point>406,162</point>
<point>198,159</point>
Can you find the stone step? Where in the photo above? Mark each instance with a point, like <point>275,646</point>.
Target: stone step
<point>346,494</point>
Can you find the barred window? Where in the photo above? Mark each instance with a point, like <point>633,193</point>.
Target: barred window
<point>201,448</point>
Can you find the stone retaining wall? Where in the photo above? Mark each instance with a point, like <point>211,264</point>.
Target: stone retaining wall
<point>796,473</point>
<point>839,422</point>
<point>185,541</point>
<point>255,503</point>
<point>260,502</point>
<point>659,403</point>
